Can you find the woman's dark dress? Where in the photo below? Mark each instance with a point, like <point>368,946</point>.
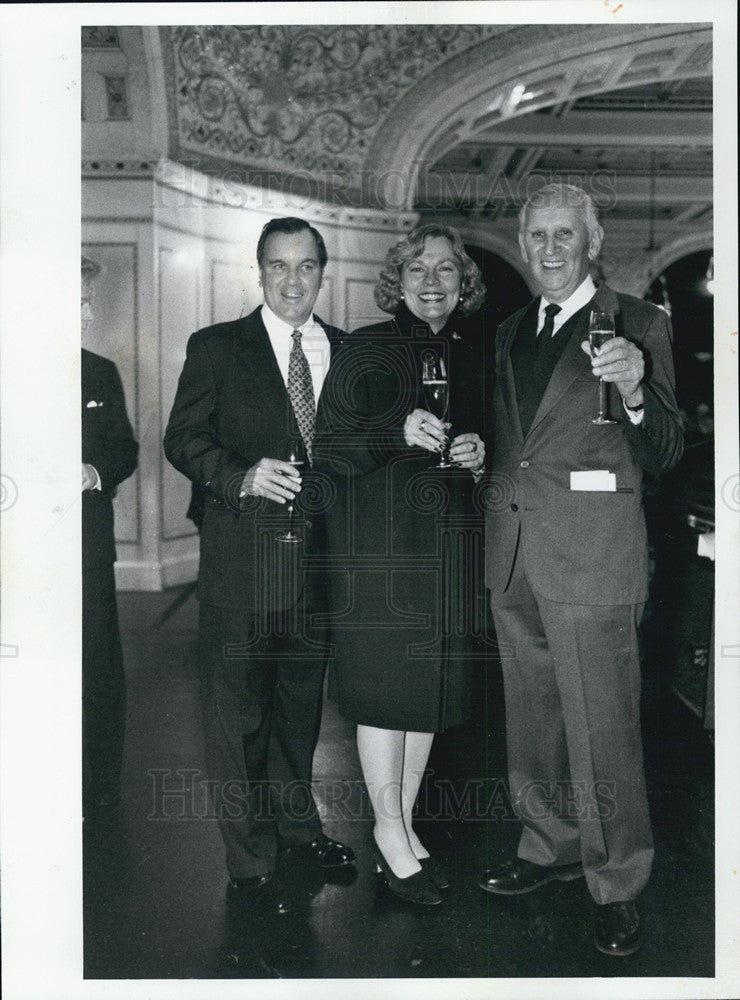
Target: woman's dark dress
<point>405,539</point>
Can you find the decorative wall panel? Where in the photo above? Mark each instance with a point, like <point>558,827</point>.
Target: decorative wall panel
<point>230,292</point>
<point>179,280</point>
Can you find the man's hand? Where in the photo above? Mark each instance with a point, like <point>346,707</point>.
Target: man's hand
<point>424,430</point>
<point>621,362</point>
<point>271,478</point>
<point>468,451</point>
<point>89,477</point>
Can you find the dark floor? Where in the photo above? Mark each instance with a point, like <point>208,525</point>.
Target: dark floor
<point>155,884</point>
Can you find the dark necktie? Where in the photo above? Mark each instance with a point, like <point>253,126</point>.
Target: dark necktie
<point>545,334</point>
<point>300,391</point>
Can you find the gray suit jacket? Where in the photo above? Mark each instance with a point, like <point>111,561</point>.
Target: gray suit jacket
<point>580,547</point>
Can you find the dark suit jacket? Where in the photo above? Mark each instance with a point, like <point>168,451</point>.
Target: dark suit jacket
<point>108,444</point>
<point>231,409</point>
<point>580,547</point>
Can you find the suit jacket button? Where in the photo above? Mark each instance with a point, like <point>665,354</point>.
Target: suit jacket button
<point>524,465</point>
<point>515,506</point>
<point>309,524</point>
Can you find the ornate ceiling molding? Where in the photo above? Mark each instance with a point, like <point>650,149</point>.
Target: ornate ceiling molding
<point>295,100</point>
<point>359,115</point>
<point>211,189</point>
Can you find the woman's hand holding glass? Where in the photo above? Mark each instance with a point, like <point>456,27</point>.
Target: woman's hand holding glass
<point>468,451</point>
<point>424,430</point>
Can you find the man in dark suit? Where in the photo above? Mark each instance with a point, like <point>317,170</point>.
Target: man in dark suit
<point>567,565</point>
<point>249,388</point>
<point>109,454</point>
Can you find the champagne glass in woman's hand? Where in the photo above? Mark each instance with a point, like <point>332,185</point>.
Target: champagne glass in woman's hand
<point>295,455</point>
<point>600,329</point>
<point>437,399</point>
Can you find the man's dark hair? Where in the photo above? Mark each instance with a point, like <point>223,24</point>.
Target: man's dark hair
<point>290,226</point>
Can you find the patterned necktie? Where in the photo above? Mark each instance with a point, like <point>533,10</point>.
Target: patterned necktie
<point>545,334</point>
<point>300,391</point>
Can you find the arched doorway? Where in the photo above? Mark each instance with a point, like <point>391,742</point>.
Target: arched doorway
<point>506,289</point>
<point>684,286</point>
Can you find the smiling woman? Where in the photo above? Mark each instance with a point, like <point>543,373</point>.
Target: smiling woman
<point>406,608</point>
<point>431,282</point>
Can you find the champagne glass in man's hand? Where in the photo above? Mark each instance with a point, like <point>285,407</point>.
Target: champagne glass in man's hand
<point>295,455</point>
<point>437,399</point>
<point>600,329</point>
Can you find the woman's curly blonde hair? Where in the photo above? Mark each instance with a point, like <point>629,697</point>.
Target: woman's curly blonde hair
<point>388,293</point>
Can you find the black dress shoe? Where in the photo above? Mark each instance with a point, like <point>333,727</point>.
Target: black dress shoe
<point>322,852</point>
<point>435,871</point>
<point>263,890</point>
<point>517,877</point>
<point>416,888</point>
<point>617,930</point>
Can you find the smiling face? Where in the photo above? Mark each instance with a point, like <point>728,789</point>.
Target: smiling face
<point>556,246</point>
<point>291,275</point>
<point>431,282</point>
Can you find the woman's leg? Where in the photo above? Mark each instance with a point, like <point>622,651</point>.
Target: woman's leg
<point>417,747</point>
<point>381,754</point>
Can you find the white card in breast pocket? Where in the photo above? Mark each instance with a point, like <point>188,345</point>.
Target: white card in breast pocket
<point>594,480</point>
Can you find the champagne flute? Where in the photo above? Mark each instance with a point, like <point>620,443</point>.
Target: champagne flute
<point>600,329</point>
<point>295,454</point>
<point>437,398</point>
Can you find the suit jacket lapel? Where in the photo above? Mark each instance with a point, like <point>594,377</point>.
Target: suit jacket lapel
<point>508,384</point>
<point>606,299</point>
<point>255,353</point>
<point>572,364</point>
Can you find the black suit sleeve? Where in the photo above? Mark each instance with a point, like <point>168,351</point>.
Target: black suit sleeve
<point>191,441</point>
<point>114,453</point>
<point>657,442</point>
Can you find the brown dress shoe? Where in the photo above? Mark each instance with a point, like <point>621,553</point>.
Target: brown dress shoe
<point>617,930</point>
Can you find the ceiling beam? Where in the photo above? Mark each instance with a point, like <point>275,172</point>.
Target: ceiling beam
<point>612,128</point>
<point>455,187</point>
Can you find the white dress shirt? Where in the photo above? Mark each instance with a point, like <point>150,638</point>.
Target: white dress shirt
<point>583,294</point>
<point>580,297</point>
<point>314,342</point>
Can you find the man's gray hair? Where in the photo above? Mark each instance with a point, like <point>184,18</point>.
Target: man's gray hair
<point>562,196</point>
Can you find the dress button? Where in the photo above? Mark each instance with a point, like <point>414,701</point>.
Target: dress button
<point>524,465</point>
<point>515,506</point>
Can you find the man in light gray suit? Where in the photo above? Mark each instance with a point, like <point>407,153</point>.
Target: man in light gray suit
<point>567,565</point>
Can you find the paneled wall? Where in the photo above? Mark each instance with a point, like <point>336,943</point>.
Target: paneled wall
<point>178,253</point>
